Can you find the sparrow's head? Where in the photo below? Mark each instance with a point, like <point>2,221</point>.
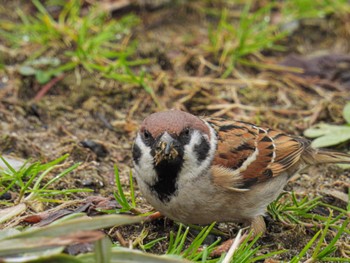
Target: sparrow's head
<point>171,144</point>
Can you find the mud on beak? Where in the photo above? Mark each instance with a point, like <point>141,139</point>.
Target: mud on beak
<point>165,149</point>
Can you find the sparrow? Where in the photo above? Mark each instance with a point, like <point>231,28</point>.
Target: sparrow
<point>200,170</point>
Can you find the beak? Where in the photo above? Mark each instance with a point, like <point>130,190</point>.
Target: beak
<point>165,149</point>
<point>168,147</point>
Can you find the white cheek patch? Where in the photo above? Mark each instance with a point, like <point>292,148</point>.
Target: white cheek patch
<point>190,155</point>
<point>144,169</point>
<point>191,168</point>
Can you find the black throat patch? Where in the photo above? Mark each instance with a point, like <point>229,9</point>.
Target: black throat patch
<point>167,173</point>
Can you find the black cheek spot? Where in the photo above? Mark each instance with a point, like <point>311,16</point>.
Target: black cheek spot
<point>136,153</point>
<point>184,138</point>
<point>202,149</point>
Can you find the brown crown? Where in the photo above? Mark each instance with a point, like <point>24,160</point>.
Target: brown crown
<point>172,121</point>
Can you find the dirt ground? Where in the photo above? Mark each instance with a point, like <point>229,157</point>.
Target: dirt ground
<point>95,119</point>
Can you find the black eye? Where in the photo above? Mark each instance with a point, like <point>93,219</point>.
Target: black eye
<point>147,137</point>
<point>185,136</point>
<point>146,134</point>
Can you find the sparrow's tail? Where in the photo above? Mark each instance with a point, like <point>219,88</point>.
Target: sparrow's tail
<point>314,156</point>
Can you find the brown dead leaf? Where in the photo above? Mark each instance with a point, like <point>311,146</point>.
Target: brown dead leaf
<point>101,203</point>
<point>90,205</point>
<point>46,218</point>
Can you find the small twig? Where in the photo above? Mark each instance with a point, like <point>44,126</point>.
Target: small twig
<point>47,87</point>
<point>310,260</point>
<point>189,96</point>
<point>345,250</point>
<point>208,64</point>
<point>317,111</point>
<point>135,106</point>
<point>274,67</point>
<point>238,82</point>
<point>307,225</point>
<point>121,239</point>
<point>67,132</point>
<point>111,6</point>
<point>226,106</point>
<point>229,106</point>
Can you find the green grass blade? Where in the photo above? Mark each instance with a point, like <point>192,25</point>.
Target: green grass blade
<point>326,251</point>
<point>132,190</point>
<point>60,175</point>
<point>103,250</point>
<point>119,185</point>
<point>8,165</point>
<point>298,257</point>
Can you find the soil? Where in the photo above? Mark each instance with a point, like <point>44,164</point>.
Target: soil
<point>95,120</point>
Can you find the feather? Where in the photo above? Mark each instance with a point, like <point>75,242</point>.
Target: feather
<point>251,154</point>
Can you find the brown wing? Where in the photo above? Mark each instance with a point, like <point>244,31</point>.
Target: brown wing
<point>247,154</point>
<point>288,150</point>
